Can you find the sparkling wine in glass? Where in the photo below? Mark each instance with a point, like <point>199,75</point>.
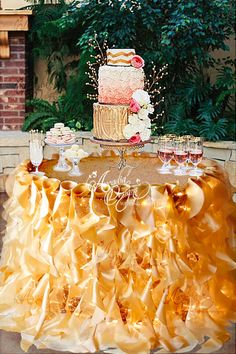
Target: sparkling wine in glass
<point>180,156</point>
<point>36,151</point>
<point>165,154</point>
<point>187,139</point>
<point>195,156</point>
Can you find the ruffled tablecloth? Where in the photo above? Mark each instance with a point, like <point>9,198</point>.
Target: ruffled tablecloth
<point>89,266</point>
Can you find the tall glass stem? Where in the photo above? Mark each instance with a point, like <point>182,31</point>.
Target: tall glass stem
<point>165,168</point>
<point>75,168</point>
<point>62,164</point>
<point>196,171</point>
<point>180,170</point>
<point>61,161</point>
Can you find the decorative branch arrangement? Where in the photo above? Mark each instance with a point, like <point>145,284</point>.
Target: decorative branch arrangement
<point>96,61</point>
<point>152,85</point>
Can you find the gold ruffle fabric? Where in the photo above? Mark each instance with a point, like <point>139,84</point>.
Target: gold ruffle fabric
<point>81,272</point>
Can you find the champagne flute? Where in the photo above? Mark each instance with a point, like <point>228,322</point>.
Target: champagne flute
<point>188,139</point>
<point>180,156</point>
<point>165,154</point>
<point>36,151</point>
<point>195,156</point>
<point>171,137</point>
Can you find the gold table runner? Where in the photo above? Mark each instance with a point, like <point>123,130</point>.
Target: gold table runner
<point>141,166</point>
<point>88,267</point>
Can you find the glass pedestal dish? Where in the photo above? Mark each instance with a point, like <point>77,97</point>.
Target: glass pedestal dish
<point>75,171</point>
<point>62,165</point>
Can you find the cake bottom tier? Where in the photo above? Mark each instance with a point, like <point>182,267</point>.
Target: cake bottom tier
<point>109,121</point>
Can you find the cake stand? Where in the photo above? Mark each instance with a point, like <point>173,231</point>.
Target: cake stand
<point>121,147</point>
<point>62,165</point>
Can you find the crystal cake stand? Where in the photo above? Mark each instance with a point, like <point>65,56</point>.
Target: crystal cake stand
<point>121,147</point>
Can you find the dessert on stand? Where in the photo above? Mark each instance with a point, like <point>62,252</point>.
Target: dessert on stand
<point>75,154</point>
<point>60,136</point>
<point>121,115</point>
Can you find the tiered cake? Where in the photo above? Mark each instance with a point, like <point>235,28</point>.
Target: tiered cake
<point>117,82</point>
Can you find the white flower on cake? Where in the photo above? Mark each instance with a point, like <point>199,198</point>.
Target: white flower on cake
<point>139,123</point>
<point>147,122</point>
<point>142,97</point>
<point>145,134</point>
<point>133,119</point>
<point>140,126</point>
<point>143,113</point>
<point>129,130</point>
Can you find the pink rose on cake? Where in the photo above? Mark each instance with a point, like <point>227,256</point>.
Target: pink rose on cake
<point>134,106</point>
<point>135,139</point>
<point>137,62</point>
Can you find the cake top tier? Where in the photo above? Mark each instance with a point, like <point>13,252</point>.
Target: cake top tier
<point>120,56</point>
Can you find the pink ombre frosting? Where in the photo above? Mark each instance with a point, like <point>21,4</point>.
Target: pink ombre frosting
<point>116,84</point>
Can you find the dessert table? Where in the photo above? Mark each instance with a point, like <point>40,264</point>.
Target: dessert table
<point>121,261</point>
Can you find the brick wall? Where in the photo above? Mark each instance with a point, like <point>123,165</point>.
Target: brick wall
<point>13,83</point>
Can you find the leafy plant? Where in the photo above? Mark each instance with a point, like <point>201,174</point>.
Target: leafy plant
<point>47,114</point>
<point>208,105</point>
<point>213,130</point>
<point>69,109</point>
